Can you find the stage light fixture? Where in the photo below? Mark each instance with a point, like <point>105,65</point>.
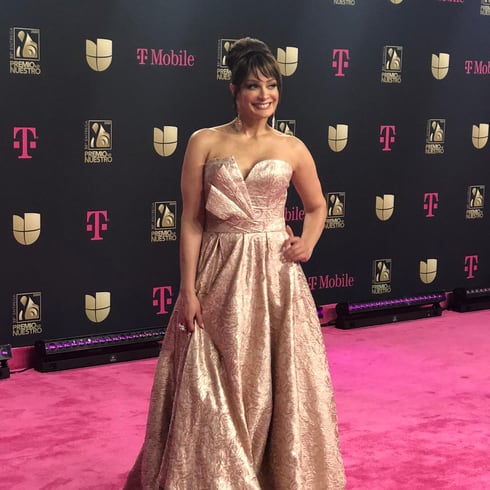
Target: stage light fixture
<point>464,300</point>
<point>91,350</point>
<point>367,313</point>
<point>5,355</point>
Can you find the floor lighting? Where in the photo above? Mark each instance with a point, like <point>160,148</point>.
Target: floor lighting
<point>5,355</point>
<point>353,315</point>
<point>91,350</point>
<point>464,300</point>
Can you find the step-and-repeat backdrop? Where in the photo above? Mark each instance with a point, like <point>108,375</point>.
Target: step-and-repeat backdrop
<point>98,99</point>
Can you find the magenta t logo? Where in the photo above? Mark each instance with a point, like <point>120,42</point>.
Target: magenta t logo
<point>431,200</point>
<point>162,297</point>
<point>96,223</point>
<point>142,55</point>
<point>340,61</point>
<point>387,136</point>
<point>24,140</point>
<point>470,265</point>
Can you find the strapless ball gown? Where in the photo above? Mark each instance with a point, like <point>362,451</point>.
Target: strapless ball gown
<point>245,403</point>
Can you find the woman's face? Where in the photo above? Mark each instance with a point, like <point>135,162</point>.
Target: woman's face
<point>257,97</point>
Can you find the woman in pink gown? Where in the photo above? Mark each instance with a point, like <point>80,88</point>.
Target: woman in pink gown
<point>242,397</point>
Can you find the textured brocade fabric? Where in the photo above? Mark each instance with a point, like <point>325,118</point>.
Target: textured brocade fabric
<point>246,403</point>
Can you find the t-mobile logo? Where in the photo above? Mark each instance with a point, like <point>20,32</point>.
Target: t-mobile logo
<point>340,61</point>
<point>96,223</point>
<point>162,297</point>
<point>387,136</point>
<point>431,200</point>
<point>470,265</point>
<point>24,140</point>
<point>142,55</point>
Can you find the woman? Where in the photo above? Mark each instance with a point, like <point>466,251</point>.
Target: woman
<point>242,397</point>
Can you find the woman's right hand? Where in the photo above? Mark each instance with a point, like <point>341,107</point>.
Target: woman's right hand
<point>191,312</point>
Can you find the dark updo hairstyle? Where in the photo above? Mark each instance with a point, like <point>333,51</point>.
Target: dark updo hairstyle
<point>248,55</point>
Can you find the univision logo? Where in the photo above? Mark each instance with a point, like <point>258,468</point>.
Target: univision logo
<point>479,135</point>
<point>98,307</point>
<point>26,229</point>
<point>165,140</point>
<point>98,54</point>
<point>287,59</point>
<point>440,65</point>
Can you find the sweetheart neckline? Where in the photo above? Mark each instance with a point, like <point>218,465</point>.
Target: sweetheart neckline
<point>235,161</point>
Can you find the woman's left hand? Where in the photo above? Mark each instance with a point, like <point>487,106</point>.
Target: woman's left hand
<point>295,248</point>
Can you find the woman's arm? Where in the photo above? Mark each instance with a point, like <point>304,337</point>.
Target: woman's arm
<point>307,184</point>
<point>192,223</point>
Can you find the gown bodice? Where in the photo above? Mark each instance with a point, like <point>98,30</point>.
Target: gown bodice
<point>251,204</point>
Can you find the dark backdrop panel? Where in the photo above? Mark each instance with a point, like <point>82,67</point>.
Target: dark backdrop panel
<point>47,281</point>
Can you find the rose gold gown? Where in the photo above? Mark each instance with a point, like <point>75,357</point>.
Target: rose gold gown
<point>246,403</point>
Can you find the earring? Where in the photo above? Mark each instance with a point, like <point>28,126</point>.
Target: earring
<point>237,124</point>
<point>273,121</point>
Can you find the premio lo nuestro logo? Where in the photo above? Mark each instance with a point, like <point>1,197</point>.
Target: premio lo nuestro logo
<point>287,59</point>
<point>164,221</point>
<point>286,126</point>
<point>222,70</point>
<point>350,3</point>
<point>485,7</point>
<point>428,270</point>
<point>165,140</point>
<point>98,306</point>
<point>26,228</point>
<point>440,65</point>
<point>475,202</point>
<point>385,206</point>
<point>98,54</point>
<point>335,210</point>
<point>26,314</point>
<point>98,141</point>
<point>338,137</point>
<point>381,279</point>
<point>25,51</point>
<point>479,135</point>
<point>435,136</point>
<point>391,71</point>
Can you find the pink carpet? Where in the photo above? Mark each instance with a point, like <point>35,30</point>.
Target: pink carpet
<point>413,402</point>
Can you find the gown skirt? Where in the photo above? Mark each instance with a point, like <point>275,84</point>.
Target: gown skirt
<point>245,403</point>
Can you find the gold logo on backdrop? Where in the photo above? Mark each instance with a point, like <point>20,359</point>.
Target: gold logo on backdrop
<point>98,307</point>
<point>98,54</point>
<point>475,202</point>
<point>440,65</point>
<point>98,141</point>
<point>29,307</point>
<point>222,70</point>
<point>287,59</point>
<point>485,7</point>
<point>381,276</point>
<point>338,137</point>
<point>396,2</point>
<point>385,205</point>
<point>435,136</point>
<point>479,135</point>
<point>392,64</point>
<point>26,229</point>
<point>27,44</point>
<point>165,140</point>
<point>286,126</point>
<point>100,137</point>
<point>428,270</point>
<point>25,51</point>
<point>335,210</point>
<point>164,221</point>
<point>26,314</point>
